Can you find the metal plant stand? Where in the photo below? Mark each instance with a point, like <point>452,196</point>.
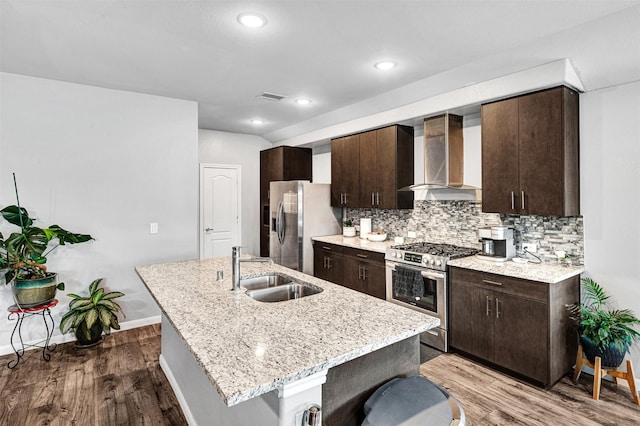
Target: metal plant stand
<point>21,314</point>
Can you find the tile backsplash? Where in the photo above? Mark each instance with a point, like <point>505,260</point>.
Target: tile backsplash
<point>457,222</point>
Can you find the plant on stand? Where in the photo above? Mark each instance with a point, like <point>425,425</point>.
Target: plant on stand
<point>88,317</point>
<point>604,332</point>
<point>23,255</point>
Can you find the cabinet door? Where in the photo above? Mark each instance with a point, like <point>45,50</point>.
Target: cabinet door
<point>500,167</point>
<point>374,279</point>
<point>471,319</point>
<point>541,153</point>
<point>352,274</point>
<point>345,175</point>
<point>387,168</point>
<point>521,335</point>
<point>369,169</point>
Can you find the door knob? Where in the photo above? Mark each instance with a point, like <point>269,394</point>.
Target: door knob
<point>208,229</point>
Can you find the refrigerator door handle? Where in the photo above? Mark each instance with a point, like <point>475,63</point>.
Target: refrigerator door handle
<point>281,223</point>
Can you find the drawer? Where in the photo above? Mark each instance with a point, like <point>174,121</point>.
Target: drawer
<point>372,256</point>
<point>319,245</point>
<point>515,286</point>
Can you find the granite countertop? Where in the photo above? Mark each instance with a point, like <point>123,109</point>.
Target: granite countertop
<point>248,348</point>
<point>356,242</point>
<point>544,272</point>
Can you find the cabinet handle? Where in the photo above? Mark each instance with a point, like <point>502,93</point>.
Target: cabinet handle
<point>324,262</point>
<point>497,308</point>
<point>326,248</point>
<point>513,201</point>
<point>268,194</point>
<point>377,198</point>
<point>359,272</point>
<point>362,272</point>
<point>488,306</point>
<point>364,256</point>
<point>522,199</point>
<point>491,282</point>
<point>346,198</point>
<point>373,199</point>
<point>328,263</point>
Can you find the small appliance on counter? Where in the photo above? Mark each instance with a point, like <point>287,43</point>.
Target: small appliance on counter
<point>498,244</point>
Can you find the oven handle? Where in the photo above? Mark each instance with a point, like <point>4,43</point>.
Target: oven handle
<point>424,273</point>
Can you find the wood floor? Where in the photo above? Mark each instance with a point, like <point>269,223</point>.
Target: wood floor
<point>120,382</point>
<point>492,398</point>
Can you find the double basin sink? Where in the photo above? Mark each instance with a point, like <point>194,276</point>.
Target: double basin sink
<point>277,287</point>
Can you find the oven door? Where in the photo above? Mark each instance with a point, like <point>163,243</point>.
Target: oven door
<point>421,289</point>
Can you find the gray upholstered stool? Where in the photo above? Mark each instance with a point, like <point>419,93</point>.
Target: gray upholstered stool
<point>412,401</point>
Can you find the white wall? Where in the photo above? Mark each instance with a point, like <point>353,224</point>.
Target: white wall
<point>610,192</point>
<point>216,147</point>
<point>106,163</point>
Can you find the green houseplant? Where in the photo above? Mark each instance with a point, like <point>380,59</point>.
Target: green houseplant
<point>348,230</point>
<point>23,255</point>
<point>604,332</point>
<point>88,317</point>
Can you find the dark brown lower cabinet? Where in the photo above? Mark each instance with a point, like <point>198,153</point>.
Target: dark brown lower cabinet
<point>328,262</point>
<point>519,325</point>
<point>359,270</point>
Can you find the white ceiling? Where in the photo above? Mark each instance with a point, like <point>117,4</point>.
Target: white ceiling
<point>323,50</point>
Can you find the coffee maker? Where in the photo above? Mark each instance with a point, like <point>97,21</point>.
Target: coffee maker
<point>497,243</point>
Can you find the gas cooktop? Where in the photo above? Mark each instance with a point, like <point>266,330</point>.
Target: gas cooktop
<point>428,255</point>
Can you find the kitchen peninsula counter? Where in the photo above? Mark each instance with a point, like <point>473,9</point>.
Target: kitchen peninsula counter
<point>547,272</point>
<point>248,348</point>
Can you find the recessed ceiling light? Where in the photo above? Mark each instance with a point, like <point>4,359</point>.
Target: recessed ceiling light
<point>303,101</point>
<point>252,20</point>
<point>257,121</point>
<point>385,65</point>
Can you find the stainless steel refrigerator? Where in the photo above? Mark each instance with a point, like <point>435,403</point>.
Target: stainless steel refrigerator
<point>299,210</point>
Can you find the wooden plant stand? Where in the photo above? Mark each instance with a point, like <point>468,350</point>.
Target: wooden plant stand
<point>599,372</point>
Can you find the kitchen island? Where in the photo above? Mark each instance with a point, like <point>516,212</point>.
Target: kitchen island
<point>240,361</point>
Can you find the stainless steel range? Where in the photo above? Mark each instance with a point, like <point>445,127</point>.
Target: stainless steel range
<point>416,278</point>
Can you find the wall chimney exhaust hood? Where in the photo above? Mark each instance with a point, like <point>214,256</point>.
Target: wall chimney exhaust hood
<point>443,154</point>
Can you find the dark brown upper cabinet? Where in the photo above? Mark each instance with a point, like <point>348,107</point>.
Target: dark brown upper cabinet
<point>367,169</point>
<point>276,164</point>
<point>345,175</point>
<point>530,154</point>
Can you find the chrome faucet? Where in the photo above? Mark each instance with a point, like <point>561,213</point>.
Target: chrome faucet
<point>235,265</point>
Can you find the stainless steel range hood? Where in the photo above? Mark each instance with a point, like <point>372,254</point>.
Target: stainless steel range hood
<point>443,154</point>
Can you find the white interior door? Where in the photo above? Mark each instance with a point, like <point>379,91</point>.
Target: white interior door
<point>219,209</point>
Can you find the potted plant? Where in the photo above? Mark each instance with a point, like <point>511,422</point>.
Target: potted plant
<point>23,255</point>
<point>604,332</point>
<point>88,317</point>
<point>348,230</point>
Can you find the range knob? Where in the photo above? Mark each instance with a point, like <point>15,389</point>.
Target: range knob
<point>431,261</point>
<point>397,254</point>
<point>438,263</point>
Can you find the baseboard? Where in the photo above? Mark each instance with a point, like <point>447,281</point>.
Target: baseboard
<point>177,391</point>
<point>70,337</point>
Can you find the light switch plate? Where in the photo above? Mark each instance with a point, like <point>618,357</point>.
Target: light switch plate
<point>411,234</point>
<point>153,228</point>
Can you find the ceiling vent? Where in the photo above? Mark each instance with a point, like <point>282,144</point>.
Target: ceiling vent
<point>270,96</point>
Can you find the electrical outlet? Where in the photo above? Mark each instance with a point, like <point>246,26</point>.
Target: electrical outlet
<point>411,234</point>
<point>153,228</point>
<point>530,247</point>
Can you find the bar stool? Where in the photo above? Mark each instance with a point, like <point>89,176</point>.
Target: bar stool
<point>599,372</point>
<point>21,313</point>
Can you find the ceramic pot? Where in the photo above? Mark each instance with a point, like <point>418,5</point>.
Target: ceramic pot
<point>611,357</point>
<point>349,231</point>
<point>35,292</point>
<point>95,335</point>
